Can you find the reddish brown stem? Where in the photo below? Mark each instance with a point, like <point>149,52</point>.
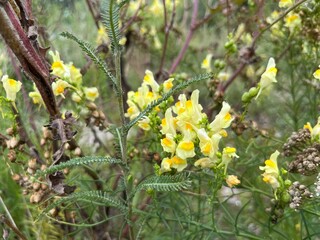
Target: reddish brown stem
<point>33,64</point>
<point>188,39</point>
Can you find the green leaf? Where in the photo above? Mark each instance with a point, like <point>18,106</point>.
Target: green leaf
<point>97,197</point>
<point>165,183</point>
<point>77,162</point>
<point>89,50</point>
<point>110,18</point>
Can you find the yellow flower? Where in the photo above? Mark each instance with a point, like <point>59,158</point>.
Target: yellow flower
<point>156,9</point>
<point>123,41</point>
<point>59,86</point>
<point>174,162</point>
<point>167,85</point>
<point>58,67</point>
<point>91,93</point>
<point>316,74</point>
<point>149,80</point>
<point>206,63</point>
<point>188,111</point>
<point>285,3</point>
<point>232,180</point>
<point>205,163</point>
<point>144,123</point>
<point>102,37</point>
<point>168,144</point>
<point>168,123</point>
<point>222,120</point>
<point>271,171</point>
<point>268,77</point>
<point>185,148</point>
<point>208,146</point>
<point>75,75</point>
<point>227,154</point>
<point>36,97</point>
<point>11,87</point>
<point>292,21</point>
<point>77,96</point>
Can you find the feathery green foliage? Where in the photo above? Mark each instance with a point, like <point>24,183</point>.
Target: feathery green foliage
<point>165,183</point>
<point>77,162</point>
<point>97,197</point>
<point>110,15</point>
<point>89,50</point>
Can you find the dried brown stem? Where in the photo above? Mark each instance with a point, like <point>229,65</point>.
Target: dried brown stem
<point>33,64</point>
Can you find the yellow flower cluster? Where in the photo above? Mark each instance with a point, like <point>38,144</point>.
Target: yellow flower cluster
<point>68,76</point>
<point>187,131</point>
<point>147,93</point>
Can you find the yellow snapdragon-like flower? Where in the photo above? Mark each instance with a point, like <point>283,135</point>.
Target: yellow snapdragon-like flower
<point>206,63</point>
<point>174,162</point>
<point>167,85</point>
<point>149,80</point>
<point>75,75</point>
<point>91,93</point>
<point>316,74</point>
<point>11,87</point>
<point>188,111</point>
<point>222,120</point>
<point>315,131</point>
<point>59,86</point>
<point>205,162</point>
<point>58,67</point>
<point>285,3</point>
<point>271,170</point>
<point>35,95</point>
<point>232,181</point>
<point>168,124</point>
<point>168,143</point>
<point>292,21</point>
<point>209,146</point>
<point>268,77</point>
<point>228,154</point>
<point>185,148</point>
<point>144,124</point>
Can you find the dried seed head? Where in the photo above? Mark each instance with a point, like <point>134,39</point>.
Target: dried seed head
<point>91,106</point>
<point>32,163</point>
<point>16,177</point>
<point>77,152</point>
<point>42,141</point>
<point>36,186</point>
<point>12,155</point>
<point>12,143</point>
<point>10,131</point>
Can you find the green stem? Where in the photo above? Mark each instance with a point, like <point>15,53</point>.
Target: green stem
<point>123,140</point>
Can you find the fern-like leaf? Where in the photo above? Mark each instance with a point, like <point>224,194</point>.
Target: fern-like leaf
<point>97,197</point>
<point>77,162</point>
<point>165,96</point>
<point>165,183</point>
<point>89,50</point>
<point>110,16</point>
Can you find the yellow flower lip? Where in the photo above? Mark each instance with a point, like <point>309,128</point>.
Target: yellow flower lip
<point>187,146</point>
<point>177,160</point>
<point>12,82</point>
<point>167,142</point>
<point>270,163</point>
